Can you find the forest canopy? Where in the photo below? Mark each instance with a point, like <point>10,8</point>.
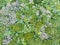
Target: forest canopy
<point>29,22</point>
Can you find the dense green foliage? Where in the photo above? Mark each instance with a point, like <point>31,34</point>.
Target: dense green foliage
<point>32,19</point>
